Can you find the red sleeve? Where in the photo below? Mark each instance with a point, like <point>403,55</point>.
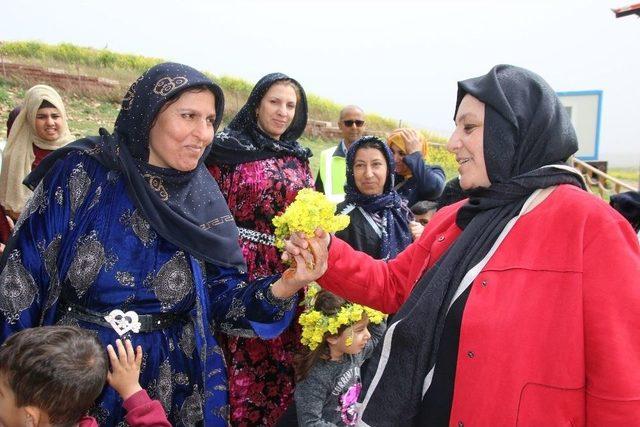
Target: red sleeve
<point>5,229</point>
<point>142,411</point>
<point>611,286</point>
<point>377,284</point>
<point>384,285</point>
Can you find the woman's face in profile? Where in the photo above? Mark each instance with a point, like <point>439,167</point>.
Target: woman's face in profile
<point>182,131</point>
<point>48,123</point>
<point>277,109</point>
<point>467,144</point>
<point>370,171</point>
<point>398,157</point>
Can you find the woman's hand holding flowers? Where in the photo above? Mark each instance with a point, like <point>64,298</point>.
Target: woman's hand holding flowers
<point>311,259</point>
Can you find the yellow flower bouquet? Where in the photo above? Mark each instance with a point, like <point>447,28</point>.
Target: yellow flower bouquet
<point>309,210</point>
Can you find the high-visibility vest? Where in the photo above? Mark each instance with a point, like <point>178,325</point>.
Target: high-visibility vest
<point>333,172</point>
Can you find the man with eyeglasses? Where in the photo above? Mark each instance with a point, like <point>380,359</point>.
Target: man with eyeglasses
<point>333,170</point>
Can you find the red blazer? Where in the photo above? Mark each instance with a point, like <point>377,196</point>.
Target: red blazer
<point>550,333</point>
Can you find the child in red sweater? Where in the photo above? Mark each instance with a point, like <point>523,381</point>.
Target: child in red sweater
<point>51,375</point>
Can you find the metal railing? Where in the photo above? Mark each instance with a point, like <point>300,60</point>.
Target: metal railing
<point>599,182</point>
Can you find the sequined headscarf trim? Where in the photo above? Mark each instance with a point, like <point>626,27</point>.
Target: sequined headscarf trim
<point>186,208</point>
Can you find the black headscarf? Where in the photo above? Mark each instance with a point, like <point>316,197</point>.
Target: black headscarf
<point>526,128</point>
<point>186,208</point>
<point>242,141</point>
<point>389,204</point>
<point>628,204</point>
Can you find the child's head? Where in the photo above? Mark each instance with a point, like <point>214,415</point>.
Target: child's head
<point>351,336</point>
<point>50,375</point>
<point>333,327</point>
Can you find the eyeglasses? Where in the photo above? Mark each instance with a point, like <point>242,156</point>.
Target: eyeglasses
<point>349,123</point>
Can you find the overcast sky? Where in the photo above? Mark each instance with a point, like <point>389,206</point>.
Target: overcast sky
<point>397,58</point>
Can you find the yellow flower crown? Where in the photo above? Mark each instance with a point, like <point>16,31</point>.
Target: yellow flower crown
<point>315,323</point>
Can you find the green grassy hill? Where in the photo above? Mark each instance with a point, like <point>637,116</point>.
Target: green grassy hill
<point>89,111</point>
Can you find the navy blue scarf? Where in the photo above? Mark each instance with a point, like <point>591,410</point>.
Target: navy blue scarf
<point>388,205</point>
<point>186,208</point>
<point>242,141</point>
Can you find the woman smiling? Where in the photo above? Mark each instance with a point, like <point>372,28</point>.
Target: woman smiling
<point>380,219</point>
<point>261,167</point>
<point>40,127</point>
<point>128,235</point>
<point>517,306</point>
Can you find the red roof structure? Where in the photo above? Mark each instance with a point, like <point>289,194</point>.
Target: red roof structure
<point>633,9</point>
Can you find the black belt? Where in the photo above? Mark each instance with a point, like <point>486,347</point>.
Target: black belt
<point>148,322</point>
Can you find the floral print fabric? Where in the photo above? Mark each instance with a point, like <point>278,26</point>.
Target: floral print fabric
<point>261,377</point>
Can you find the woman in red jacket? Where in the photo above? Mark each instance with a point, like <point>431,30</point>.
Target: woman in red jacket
<point>519,305</point>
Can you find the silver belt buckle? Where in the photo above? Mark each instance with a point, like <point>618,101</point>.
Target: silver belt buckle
<point>122,322</point>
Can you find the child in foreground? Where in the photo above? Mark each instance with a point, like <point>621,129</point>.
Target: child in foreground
<point>51,376</point>
<point>337,335</point>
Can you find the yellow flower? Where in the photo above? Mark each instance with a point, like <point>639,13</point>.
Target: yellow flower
<point>310,210</point>
<point>315,323</point>
<point>343,317</point>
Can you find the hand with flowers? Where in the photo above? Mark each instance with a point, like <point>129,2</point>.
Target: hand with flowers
<point>299,244</point>
<point>309,211</point>
<point>311,214</point>
<point>305,270</point>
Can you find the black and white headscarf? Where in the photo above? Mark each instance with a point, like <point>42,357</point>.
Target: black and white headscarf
<point>526,129</point>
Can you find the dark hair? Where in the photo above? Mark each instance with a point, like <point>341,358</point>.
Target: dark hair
<point>296,89</point>
<point>328,304</point>
<point>628,205</point>
<point>12,117</point>
<point>58,369</point>
<point>46,104</point>
<point>424,206</point>
<point>370,142</point>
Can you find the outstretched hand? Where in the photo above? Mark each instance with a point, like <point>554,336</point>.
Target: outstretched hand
<point>124,376</point>
<point>309,258</point>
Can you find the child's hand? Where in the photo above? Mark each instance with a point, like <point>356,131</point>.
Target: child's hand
<point>125,369</point>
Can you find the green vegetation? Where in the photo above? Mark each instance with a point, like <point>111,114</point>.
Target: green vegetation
<point>316,145</point>
<point>438,155</point>
<point>90,110</point>
<point>5,97</point>
<point>629,175</point>
<point>71,54</point>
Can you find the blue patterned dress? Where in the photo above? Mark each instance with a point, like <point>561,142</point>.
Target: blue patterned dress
<point>81,241</point>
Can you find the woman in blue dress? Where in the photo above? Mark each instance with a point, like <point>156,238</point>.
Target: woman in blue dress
<point>129,236</point>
